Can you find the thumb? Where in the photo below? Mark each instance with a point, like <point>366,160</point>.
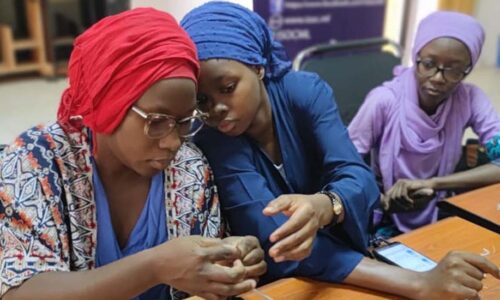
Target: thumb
<point>221,253</point>
<point>423,192</point>
<point>384,202</point>
<point>206,241</point>
<point>277,205</point>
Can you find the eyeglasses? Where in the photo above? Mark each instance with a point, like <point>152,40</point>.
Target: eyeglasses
<point>428,68</point>
<point>160,125</point>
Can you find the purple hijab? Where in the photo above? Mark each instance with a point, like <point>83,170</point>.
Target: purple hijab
<point>414,144</point>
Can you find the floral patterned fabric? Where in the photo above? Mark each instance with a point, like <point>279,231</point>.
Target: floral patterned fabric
<point>48,212</point>
<point>493,148</point>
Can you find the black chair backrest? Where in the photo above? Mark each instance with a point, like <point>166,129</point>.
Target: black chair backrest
<point>351,68</point>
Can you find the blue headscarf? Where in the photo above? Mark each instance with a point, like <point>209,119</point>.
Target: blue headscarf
<point>231,31</point>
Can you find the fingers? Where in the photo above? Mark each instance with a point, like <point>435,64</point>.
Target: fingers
<point>254,263</point>
<point>297,253</point>
<point>279,204</point>
<point>227,290</point>
<point>228,281</point>
<point>410,194</point>
<point>249,247</point>
<point>298,220</point>
<point>398,197</point>
<point>402,195</point>
<point>205,241</point>
<point>471,282</point>
<point>384,202</point>
<point>456,264</point>
<point>295,237</point>
<point>254,257</point>
<point>256,270</point>
<point>423,192</point>
<point>247,244</point>
<point>481,263</point>
<point>474,272</point>
<point>464,292</point>
<point>224,274</point>
<point>219,252</point>
<point>295,246</point>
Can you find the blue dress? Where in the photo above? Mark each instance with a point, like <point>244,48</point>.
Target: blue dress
<point>149,231</point>
<point>317,155</point>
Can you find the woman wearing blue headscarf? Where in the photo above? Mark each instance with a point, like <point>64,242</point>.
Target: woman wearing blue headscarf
<point>283,137</point>
<point>283,161</point>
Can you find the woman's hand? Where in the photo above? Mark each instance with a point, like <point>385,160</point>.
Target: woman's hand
<point>457,276</point>
<point>408,195</point>
<point>190,264</point>
<point>308,213</point>
<point>251,255</point>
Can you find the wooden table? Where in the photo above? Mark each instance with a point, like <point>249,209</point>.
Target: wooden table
<point>305,289</point>
<point>481,206</point>
<point>458,234</point>
<point>435,241</point>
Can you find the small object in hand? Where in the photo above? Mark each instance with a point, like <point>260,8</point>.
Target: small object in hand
<point>422,197</point>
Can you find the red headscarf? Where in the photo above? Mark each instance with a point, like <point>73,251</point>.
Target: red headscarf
<point>116,60</point>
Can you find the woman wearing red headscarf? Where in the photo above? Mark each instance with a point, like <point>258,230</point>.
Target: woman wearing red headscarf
<point>110,202</point>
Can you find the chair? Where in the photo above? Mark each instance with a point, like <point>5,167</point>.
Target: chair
<point>473,155</point>
<point>351,68</point>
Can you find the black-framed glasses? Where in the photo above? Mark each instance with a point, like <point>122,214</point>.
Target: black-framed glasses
<point>429,68</point>
<point>160,125</point>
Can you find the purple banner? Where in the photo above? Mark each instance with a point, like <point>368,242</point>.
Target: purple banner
<point>299,24</point>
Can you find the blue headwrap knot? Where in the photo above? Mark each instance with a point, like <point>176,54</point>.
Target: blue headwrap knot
<point>230,31</point>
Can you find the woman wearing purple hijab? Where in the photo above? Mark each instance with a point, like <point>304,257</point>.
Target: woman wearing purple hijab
<point>414,124</point>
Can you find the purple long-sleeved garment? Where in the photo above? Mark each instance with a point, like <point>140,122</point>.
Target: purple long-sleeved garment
<point>407,142</point>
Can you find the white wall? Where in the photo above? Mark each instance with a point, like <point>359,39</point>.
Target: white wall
<point>394,13</point>
<point>178,8</point>
<point>487,13</point>
<point>419,10</point>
